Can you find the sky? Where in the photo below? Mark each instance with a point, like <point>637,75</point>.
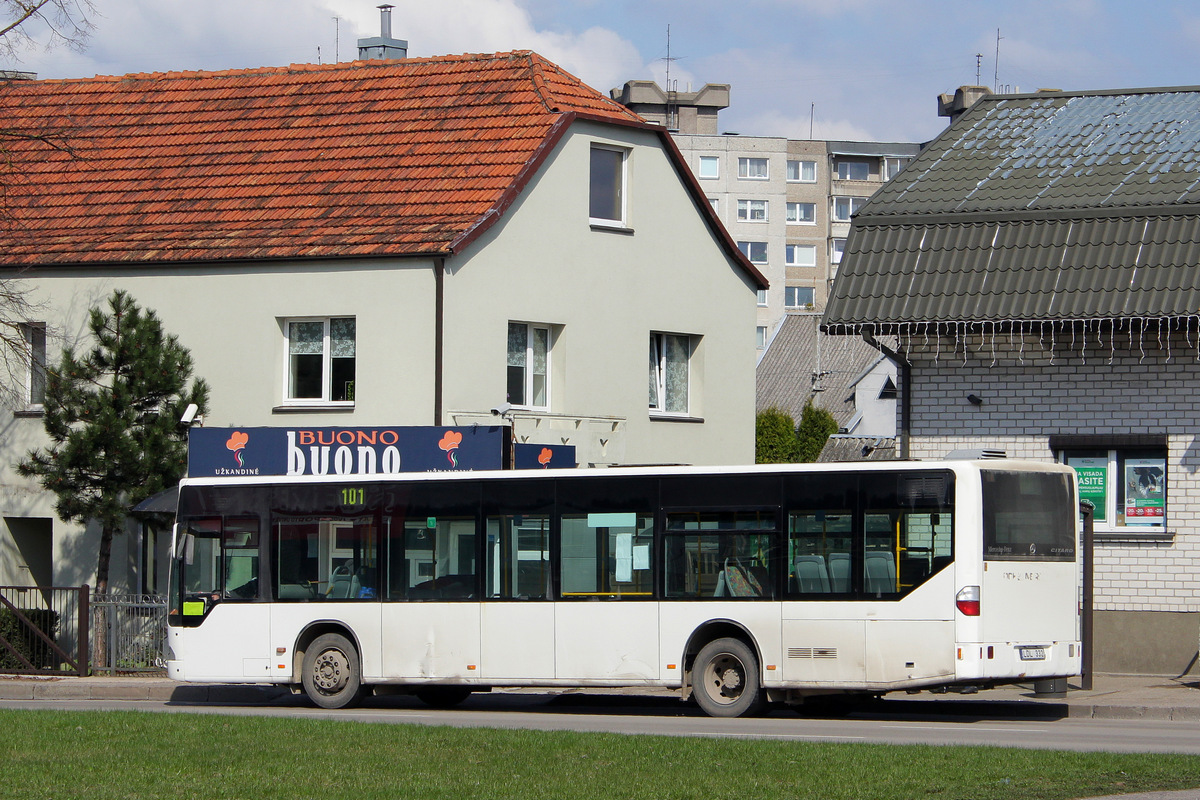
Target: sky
<point>868,70</point>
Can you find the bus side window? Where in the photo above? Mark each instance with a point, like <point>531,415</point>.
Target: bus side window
<point>518,557</point>
<point>607,555</point>
<point>431,558</point>
<point>819,545</point>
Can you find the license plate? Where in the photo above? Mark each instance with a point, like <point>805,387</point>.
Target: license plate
<point>1032,653</point>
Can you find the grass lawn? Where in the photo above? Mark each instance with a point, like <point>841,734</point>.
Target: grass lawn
<point>99,755</point>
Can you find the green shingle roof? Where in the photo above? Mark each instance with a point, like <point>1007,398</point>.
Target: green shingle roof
<point>1034,208</point>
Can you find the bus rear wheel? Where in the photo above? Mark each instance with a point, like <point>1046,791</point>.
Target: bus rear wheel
<point>332,675</point>
<point>725,679</point>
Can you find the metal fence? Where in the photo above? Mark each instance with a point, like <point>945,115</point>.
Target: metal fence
<point>129,633</point>
<point>44,630</point>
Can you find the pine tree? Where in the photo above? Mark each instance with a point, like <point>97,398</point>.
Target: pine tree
<point>112,415</point>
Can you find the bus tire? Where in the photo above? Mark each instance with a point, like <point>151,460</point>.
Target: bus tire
<point>725,679</point>
<point>332,675</point>
<point>443,696</point>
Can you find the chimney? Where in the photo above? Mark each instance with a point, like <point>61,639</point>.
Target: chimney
<point>955,105</point>
<point>383,45</point>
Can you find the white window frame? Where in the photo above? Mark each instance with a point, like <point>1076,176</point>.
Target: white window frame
<point>852,203</point>
<point>35,364</point>
<point>792,255</point>
<point>852,162</point>
<point>715,204</point>
<point>662,378</point>
<point>744,168</point>
<point>621,220</point>
<point>753,211</point>
<point>794,217</point>
<point>708,174</point>
<point>762,297</point>
<point>892,166</point>
<point>801,167</point>
<point>1114,516</point>
<point>790,299</point>
<point>529,377</point>
<point>749,248</point>
<point>837,249</point>
<point>760,337</point>
<point>327,358</point>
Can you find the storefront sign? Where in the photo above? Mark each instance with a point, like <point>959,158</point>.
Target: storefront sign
<point>228,452</point>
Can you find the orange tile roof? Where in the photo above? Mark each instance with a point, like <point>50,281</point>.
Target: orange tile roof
<point>346,160</point>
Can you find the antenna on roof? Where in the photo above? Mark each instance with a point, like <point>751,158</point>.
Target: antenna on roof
<point>996,76</point>
<point>978,64</point>
<point>337,39</point>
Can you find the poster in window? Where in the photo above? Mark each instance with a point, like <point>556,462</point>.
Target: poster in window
<point>1145,500</point>
<point>1092,473</point>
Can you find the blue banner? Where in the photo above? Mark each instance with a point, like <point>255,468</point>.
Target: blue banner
<point>230,452</point>
<point>544,456</point>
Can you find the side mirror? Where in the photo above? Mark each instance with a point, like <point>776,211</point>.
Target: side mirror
<point>185,548</point>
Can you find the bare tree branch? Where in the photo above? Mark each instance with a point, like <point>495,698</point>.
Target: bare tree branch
<point>60,21</point>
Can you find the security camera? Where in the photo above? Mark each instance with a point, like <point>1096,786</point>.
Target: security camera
<point>189,414</point>
<point>501,410</point>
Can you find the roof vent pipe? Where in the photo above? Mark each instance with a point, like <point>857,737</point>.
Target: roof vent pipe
<point>385,21</point>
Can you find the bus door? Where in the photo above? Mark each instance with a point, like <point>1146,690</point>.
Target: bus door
<point>433,631</point>
<point>517,627</point>
<point>606,625</point>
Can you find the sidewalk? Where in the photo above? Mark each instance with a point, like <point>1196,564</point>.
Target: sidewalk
<point>1112,696</point>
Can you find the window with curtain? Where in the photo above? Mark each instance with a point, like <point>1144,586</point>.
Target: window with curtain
<point>321,360</point>
<point>669,357</point>
<point>528,365</point>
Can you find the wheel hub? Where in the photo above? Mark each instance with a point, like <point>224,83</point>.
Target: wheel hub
<point>330,671</point>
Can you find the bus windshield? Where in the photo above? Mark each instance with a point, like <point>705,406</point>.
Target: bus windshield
<point>1027,516</point>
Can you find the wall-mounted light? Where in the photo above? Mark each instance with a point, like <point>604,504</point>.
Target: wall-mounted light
<point>974,399</point>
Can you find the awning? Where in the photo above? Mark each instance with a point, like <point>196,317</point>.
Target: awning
<point>165,502</point>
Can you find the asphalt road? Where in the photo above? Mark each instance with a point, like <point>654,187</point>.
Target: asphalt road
<point>893,722</point>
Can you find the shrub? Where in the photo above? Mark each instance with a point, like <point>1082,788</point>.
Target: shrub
<point>775,438</point>
<point>26,642</point>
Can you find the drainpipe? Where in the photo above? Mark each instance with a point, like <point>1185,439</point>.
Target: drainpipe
<point>905,388</point>
<point>439,298</point>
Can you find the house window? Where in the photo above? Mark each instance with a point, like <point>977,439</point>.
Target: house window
<point>836,248</point>
<point>802,213</point>
<point>798,296</point>
<point>35,375</point>
<point>755,251</point>
<point>320,360</point>
<point>607,197</point>
<point>710,167</point>
<point>762,297</point>
<point>669,356</point>
<point>801,255</point>
<point>528,365</point>
<point>854,170</point>
<point>760,337</point>
<point>891,166</point>
<point>752,211</point>
<point>846,207</point>
<point>753,168</point>
<point>802,171</point>
<point>716,205</point>
<point>1127,485</point>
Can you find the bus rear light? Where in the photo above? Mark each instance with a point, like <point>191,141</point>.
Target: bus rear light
<point>967,601</point>
<point>991,652</point>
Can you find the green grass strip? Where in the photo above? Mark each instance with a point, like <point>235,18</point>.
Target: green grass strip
<point>100,755</point>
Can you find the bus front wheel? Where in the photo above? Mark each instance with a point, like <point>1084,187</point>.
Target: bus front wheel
<point>725,679</point>
<point>332,675</point>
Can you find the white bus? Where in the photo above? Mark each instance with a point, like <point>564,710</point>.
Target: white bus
<point>736,585</point>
